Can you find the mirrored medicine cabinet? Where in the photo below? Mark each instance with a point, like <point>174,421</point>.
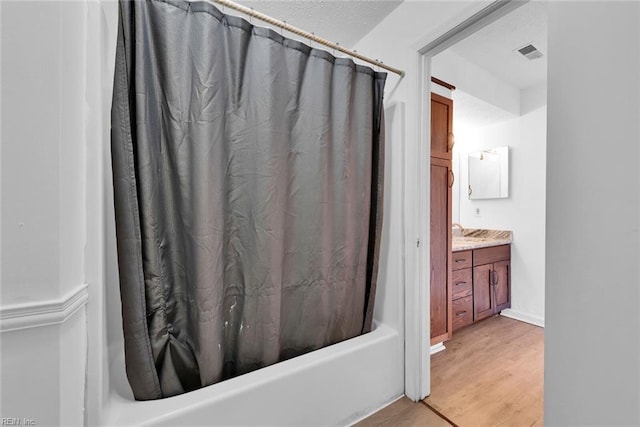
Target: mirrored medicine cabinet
<point>489,174</point>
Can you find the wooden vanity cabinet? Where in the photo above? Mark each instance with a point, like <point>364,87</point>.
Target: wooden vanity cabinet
<point>491,281</point>
<point>480,284</point>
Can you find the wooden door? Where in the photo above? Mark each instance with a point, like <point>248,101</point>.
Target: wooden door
<point>501,287</point>
<point>483,299</point>
<point>441,126</point>
<point>440,250</point>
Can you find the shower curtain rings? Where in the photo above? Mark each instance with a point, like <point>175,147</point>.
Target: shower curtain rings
<point>324,43</point>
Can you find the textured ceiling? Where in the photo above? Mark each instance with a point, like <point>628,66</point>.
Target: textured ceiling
<point>492,48</point>
<point>344,21</point>
<point>472,113</point>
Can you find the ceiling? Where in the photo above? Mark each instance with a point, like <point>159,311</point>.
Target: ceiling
<point>340,21</point>
<point>492,47</point>
<point>472,113</point>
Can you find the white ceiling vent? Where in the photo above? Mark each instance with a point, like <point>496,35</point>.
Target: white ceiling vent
<point>529,51</point>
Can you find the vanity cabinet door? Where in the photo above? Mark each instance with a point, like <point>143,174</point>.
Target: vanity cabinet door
<point>502,288</point>
<point>491,289</point>
<point>483,300</point>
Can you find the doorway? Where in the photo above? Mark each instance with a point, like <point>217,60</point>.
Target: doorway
<point>428,56</point>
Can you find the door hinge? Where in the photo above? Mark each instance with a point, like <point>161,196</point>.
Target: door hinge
<point>417,243</point>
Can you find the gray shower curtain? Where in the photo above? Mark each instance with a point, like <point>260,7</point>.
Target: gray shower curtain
<point>248,195</point>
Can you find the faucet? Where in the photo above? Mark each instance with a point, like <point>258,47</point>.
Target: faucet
<point>459,232</point>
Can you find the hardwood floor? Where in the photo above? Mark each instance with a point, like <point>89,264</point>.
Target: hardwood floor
<point>491,374</point>
<point>404,413</point>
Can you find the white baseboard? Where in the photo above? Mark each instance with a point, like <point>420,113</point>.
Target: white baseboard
<point>437,348</point>
<point>523,317</point>
<point>42,313</point>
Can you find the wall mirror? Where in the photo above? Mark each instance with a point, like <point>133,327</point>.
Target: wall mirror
<point>489,174</point>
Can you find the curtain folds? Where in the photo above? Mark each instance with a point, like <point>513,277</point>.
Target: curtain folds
<point>248,195</point>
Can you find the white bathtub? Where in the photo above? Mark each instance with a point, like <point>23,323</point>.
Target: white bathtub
<point>336,385</point>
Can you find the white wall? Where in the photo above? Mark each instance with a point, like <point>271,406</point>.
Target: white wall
<point>523,212</point>
<point>592,335</point>
<point>42,315</point>
<point>30,152</point>
<point>100,46</point>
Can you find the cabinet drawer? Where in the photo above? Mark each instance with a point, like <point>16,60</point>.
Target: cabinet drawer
<point>461,283</point>
<point>462,312</point>
<point>491,254</point>
<point>461,260</point>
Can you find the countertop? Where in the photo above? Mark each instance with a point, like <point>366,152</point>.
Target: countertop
<point>479,238</point>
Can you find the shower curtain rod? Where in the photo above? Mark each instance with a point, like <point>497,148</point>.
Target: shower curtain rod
<point>281,24</point>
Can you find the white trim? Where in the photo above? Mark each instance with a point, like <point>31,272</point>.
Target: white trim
<point>437,348</point>
<point>523,317</point>
<point>42,313</point>
<point>417,365</point>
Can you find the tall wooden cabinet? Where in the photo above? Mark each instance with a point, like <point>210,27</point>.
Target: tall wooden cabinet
<point>440,218</point>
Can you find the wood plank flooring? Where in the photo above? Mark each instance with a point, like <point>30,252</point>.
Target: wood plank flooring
<point>491,374</point>
<point>404,413</point>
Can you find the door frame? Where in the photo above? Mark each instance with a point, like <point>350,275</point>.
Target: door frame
<point>417,265</point>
